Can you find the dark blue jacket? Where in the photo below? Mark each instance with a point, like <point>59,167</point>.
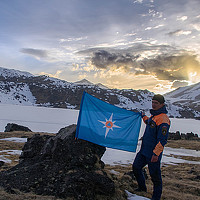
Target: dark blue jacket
<point>156,133</point>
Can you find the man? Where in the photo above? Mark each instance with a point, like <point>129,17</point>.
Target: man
<point>153,141</point>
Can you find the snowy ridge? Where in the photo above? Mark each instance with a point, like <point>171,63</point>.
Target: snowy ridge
<point>57,82</point>
<point>188,92</point>
<point>22,88</point>
<point>101,86</point>
<point>143,104</point>
<point>13,73</point>
<point>85,82</point>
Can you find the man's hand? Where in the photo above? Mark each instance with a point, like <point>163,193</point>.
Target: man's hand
<point>154,158</point>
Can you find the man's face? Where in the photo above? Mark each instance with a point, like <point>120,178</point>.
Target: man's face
<point>156,105</point>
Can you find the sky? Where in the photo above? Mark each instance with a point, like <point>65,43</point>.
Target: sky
<point>124,44</point>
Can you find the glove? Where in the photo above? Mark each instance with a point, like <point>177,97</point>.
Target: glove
<point>154,158</point>
<point>143,114</point>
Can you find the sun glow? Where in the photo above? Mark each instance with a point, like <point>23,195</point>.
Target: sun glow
<point>193,77</point>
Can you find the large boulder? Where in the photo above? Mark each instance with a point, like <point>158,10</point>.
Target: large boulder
<point>61,166</point>
<point>10,127</point>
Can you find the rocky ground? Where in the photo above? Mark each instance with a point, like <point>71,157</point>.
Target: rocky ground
<point>181,181</point>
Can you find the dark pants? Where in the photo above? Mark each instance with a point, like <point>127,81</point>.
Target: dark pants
<point>155,173</point>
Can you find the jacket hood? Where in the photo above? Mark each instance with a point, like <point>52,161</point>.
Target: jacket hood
<point>159,111</point>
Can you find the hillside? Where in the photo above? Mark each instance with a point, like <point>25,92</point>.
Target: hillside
<point>188,92</point>
<point>187,98</point>
<point>23,88</point>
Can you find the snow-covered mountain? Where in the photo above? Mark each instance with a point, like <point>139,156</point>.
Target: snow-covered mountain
<point>88,83</point>
<point>101,86</point>
<point>191,92</point>
<point>6,73</point>
<point>83,82</point>
<point>187,98</point>
<point>23,88</point>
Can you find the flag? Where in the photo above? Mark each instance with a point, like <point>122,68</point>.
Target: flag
<point>108,125</point>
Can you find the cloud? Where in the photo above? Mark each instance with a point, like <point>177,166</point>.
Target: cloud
<point>56,75</point>
<point>138,1</point>
<point>177,84</point>
<point>173,66</point>
<point>138,48</point>
<point>129,34</point>
<point>153,13</point>
<point>102,59</point>
<point>179,32</point>
<point>38,53</point>
<point>196,26</point>
<point>182,18</point>
<point>170,67</point>
<point>72,39</point>
<point>155,27</point>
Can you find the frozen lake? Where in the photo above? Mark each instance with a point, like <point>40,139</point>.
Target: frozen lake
<point>41,119</point>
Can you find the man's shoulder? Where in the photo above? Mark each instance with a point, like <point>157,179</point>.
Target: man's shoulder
<point>161,118</point>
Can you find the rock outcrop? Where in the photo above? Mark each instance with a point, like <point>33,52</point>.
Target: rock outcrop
<point>182,136</point>
<point>10,127</point>
<point>61,166</point>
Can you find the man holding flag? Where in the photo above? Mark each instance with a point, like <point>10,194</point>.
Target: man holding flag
<point>153,141</point>
<point>114,127</point>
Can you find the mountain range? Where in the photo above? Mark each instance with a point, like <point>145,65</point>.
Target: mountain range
<point>17,87</point>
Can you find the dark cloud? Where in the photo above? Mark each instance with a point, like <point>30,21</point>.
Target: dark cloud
<point>103,59</point>
<point>167,67</point>
<point>35,52</point>
<point>136,48</point>
<point>172,67</point>
<point>177,84</point>
<point>174,32</point>
<point>179,32</point>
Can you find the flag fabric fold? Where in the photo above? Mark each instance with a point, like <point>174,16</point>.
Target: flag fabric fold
<point>108,125</point>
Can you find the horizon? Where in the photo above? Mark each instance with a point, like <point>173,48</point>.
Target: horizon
<point>133,44</point>
<point>84,79</point>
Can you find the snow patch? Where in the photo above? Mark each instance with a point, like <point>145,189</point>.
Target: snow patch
<point>134,196</point>
<point>15,139</point>
<point>17,94</point>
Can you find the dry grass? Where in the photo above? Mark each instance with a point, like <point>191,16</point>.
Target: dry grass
<point>180,182</point>
<point>186,144</point>
<point>190,158</point>
<point>21,134</point>
<point>7,145</point>
<point>25,196</point>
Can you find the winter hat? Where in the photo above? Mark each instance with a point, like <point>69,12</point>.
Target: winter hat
<point>159,98</point>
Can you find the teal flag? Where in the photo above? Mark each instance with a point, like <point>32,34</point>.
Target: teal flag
<point>108,125</point>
